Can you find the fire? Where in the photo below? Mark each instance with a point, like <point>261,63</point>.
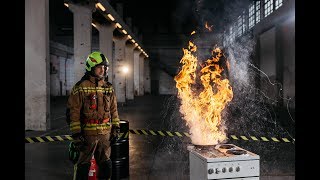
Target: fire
<point>202,108</point>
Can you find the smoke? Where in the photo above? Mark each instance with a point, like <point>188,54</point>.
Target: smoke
<point>238,56</point>
<point>253,110</point>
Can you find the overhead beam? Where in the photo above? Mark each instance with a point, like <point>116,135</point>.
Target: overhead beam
<point>108,10</point>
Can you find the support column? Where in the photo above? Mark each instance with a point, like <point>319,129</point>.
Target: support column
<point>37,65</point>
<point>105,44</point>
<point>129,60</point>
<point>136,72</point>
<point>82,19</point>
<point>119,63</point>
<point>141,74</point>
<point>147,79</point>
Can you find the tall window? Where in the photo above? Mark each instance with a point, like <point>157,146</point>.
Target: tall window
<point>239,28</point>
<point>244,22</point>
<point>257,11</point>
<point>268,7</point>
<point>251,15</point>
<point>232,34</point>
<point>278,3</point>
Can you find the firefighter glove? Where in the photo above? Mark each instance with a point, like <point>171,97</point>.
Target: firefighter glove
<point>79,141</point>
<point>115,134</point>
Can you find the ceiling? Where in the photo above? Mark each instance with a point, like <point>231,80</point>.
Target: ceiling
<point>155,17</point>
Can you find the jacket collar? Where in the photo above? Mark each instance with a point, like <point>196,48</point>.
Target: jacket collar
<point>93,79</point>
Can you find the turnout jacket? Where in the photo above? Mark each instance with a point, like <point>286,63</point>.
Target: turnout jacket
<point>92,107</point>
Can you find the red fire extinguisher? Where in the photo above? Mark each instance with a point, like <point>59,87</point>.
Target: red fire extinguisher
<point>92,175</point>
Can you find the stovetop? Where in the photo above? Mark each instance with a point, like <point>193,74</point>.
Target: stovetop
<point>221,152</point>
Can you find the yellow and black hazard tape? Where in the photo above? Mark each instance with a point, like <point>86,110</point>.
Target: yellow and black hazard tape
<point>232,137</point>
<point>159,133</point>
<point>155,133</point>
<point>42,139</point>
<point>262,138</point>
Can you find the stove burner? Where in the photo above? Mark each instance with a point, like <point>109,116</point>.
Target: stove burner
<point>226,146</point>
<point>236,151</point>
<point>204,147</point>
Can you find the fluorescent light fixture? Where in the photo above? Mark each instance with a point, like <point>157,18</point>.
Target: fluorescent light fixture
<point>129,37</point>
<point>133,41</point>
<point>118,25</point>
<point>100,6</point>
<point>124,31</point>
<point>139,47</point>
<point>110,17</point>
<point>66,4</point>
<point>93,25</point>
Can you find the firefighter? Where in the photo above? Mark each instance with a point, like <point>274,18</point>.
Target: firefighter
<point>93,116</point>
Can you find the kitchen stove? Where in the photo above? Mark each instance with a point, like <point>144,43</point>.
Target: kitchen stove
<point>222,161</point>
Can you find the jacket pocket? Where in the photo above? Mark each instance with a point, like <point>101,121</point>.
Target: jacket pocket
<point>106,103</point>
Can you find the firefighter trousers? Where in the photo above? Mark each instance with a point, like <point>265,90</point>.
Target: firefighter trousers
<point>101,154</point>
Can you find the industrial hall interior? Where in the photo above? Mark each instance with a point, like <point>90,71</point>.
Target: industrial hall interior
<point>159,90</point>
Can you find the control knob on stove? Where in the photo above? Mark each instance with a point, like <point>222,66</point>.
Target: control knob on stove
<point>210,171</point>
<point>217,170</point>
<point>230,169</point>
<point>224,170</point>
<point>238,168</point>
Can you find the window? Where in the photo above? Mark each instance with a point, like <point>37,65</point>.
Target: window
<point>232,34</point>
<point>278,3</point>
<point>251,15</point>
<point>244,23</point>
<point>257,11</point>
<point>239,28</point>
<point>268,7</point>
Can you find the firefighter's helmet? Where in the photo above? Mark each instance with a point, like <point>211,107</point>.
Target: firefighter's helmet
<point>94,59</point>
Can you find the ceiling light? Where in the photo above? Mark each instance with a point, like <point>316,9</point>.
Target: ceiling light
<point>100,6</point>
<point>110,17</point>
<point>118,25</point>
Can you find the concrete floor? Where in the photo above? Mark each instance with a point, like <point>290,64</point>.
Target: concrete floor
<point>151,157</point>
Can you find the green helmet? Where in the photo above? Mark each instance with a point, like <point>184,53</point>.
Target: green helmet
<point>73,153</point>
<point>96,58</point>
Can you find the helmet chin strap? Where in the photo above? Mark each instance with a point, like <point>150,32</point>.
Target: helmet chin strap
<point>106,75</point>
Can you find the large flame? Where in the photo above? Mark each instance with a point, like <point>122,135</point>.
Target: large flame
<point>202,110</point>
